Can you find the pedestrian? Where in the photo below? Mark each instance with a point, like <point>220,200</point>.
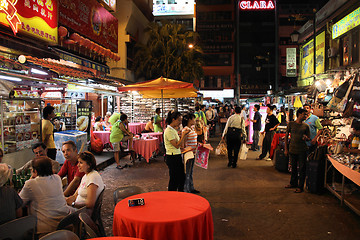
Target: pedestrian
<point>271,123</point>
<point>281,117</point>
<point>256,128</point>
<point>173,157</point>
<point>190,143</point>
<point>223,117</point>
<point>157,121</point>
<point>315,127</point>
<point>235,134</point>
<point>290,115</point>
<point>297,149</point>
<point>47,131</point>
<point>199,114</point>
<point>210,117</point>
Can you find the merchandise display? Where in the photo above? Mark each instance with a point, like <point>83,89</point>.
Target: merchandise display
<point>20,124</point>
<point>67,113</point>
<point>350,160</point>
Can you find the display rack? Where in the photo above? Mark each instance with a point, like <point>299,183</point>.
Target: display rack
<point>66,110</point>
<point>20,123</point>
<point>141,109</point>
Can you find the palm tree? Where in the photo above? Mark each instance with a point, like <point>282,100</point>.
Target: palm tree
<point>167,53</point>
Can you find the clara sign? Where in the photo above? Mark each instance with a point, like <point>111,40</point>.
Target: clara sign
<point>257,5</point>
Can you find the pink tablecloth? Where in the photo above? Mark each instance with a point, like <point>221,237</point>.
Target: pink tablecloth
<point>103,135</point>
<point>145,147</point>
<point>158,135</point>
<point>135,128</point>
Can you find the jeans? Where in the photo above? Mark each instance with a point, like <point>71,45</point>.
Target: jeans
<point>255,144</point>
<point>189,184</point>
<point>176,172</point>
<point>266,146</point>
<point>233,145</point>
<point>298,160</point>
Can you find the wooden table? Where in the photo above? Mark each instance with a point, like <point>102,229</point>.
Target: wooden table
<point>165,215</point>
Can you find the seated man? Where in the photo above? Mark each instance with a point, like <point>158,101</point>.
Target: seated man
<point>10,201</point>
<point>44,194</point>
<point>70,168</point>
<point>149,127</point>
<point>39,149</point>
<point>120,133</point>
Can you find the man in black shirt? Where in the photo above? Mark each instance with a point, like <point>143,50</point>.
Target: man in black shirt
<point>297,149</point>
<point>256,127</point>
<point>271,123</point>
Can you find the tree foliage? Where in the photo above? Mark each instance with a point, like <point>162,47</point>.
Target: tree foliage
<point>167,53</point>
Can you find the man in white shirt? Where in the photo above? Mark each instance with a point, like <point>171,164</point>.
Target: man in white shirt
<point>235,134</point>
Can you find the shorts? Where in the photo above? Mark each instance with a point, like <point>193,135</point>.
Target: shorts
<point>117,145</point>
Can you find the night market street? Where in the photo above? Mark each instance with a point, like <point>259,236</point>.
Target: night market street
<point>249,202</point>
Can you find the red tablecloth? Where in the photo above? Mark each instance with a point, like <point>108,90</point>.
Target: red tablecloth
<point>145,147</point>
<point>116,238</point>
<point>135,128</point>
<point>142,126</point>
<point>165,215</point>
<point>103,135</point>
<point>158,135</point>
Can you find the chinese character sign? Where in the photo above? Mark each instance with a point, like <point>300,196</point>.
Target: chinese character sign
<point>37,18</point>
<point>291,62</point>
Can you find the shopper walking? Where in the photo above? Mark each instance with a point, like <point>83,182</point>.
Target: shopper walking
<point>297,149</point>
<point>315,127</point>
<point>173,157</point>
<point>210,116</point>
<point>235,134</point>
<point>271,123</point>
<point>190,143</point>
<point>256,128</point>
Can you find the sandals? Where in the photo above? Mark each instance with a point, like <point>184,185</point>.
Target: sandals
<point>298,190</point>
<point>290,186</point>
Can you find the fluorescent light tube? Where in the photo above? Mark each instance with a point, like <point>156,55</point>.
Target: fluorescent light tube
<point>15,79</point>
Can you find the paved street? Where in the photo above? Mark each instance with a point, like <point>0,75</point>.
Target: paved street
<point>249,202</point>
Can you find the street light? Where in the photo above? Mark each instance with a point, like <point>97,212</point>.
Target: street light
<point>191,45</point>
<point>295,36</point>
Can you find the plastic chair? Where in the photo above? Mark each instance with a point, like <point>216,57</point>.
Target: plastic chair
<point>96,214</point>
<point>60,235</point>
<point>124,192</point>
<point>71,222</point>
<point>19,229</point>
<point>91,230</point>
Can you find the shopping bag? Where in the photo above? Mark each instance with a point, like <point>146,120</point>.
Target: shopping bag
<point>261,139</point>
<point>221,149</point>
<point>333,104</point>
<point>243,152</point>
<point>202,155</point>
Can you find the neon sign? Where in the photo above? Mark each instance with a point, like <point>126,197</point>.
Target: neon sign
<point>8,7</point>
<point>257,5</point>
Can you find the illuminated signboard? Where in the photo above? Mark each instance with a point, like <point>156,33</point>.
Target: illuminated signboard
<point>307,57</point>
<point>291,62</point>
<point>111,4</point>
<point>173,7</point>
<point>257,5</point>
<point>349,22</point>
<point>36,18</point>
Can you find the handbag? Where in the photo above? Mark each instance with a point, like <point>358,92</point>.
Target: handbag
<point>334,102</point>
<point>223,120</point>
<point>340,92</point>
<point>319,110</point>
<point>221,149</point>
<point>344,101</point>
<point>349,109</point>
<point>355,91</point>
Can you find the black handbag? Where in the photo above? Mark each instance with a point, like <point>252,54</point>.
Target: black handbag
<point>342,89</point>
<point>355,91</point>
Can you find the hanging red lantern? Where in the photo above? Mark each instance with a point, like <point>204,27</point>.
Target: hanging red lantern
<point>88,43</point>
<point>82,41</point>
<point>75,37</point>
<point>62,31</point>
<point>69,41</point>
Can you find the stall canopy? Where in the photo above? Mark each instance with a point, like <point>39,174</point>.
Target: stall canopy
<point>162,88</point>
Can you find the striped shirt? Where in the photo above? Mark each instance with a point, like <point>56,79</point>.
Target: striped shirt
<point>191,139</point>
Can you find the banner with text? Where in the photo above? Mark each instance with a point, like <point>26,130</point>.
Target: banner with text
<point>38,19</point>
<point>90,19</point>
<point>291,62</point>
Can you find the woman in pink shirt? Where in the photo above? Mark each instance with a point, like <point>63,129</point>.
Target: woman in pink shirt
<point>190,143</point>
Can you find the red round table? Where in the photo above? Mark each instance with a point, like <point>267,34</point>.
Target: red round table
<point>165,215</point>
<point>135,128</point>
<point>158,135</point>
<point>103,135</point>
<point>145,147</point>
<point>116,238</point>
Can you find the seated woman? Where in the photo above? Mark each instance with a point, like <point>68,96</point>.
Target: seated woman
<point>149,127</point>
<point>45,195</point>
<point>106,122</point>
<point>10,201</point>
<point>91,183</point>
<point>98,126</point>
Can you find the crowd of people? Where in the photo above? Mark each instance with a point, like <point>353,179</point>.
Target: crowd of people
<point>50,200</point>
